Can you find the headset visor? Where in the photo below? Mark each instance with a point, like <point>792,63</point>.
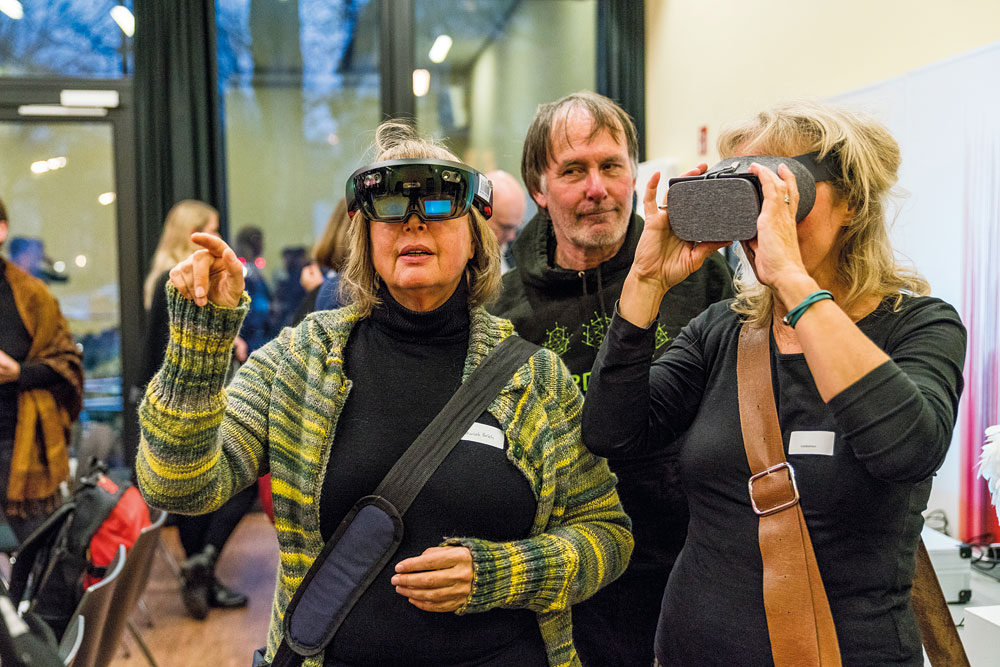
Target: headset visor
<point>393,190</point>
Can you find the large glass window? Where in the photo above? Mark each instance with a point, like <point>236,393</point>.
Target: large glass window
<point>506,57</point>
<point>59,189</point>
<point>300,84</point>
<point>66,38</point>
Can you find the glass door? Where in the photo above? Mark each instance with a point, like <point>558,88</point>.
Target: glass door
<point>57,181</point>
<point>66,182</point>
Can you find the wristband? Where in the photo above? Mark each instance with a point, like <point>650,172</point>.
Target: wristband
<point>795,313</point>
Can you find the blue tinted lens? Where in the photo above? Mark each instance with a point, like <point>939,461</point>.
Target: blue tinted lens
<point>437,206</point>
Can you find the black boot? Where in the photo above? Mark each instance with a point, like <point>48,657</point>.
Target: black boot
<point>223,597</point>
<point>198,581</point>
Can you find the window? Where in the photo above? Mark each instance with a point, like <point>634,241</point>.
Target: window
<point>66,38</point>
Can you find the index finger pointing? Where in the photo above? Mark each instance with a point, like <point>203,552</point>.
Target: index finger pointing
<point>210,242</point>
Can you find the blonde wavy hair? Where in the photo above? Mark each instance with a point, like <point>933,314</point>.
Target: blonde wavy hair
<point>184,217</point>
<point>395,140</point>
<point>866,159</point>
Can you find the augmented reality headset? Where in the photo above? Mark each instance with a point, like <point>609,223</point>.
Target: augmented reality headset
<point>393,190</point>
<point>723,203</point>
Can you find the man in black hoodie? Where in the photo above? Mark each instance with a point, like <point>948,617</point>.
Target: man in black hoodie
<point>579,164</point>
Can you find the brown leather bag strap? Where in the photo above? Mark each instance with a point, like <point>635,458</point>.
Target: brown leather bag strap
<point>799,621</point>
<point>937,628</point>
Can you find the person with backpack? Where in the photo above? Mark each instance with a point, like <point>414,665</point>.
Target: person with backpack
<point>514,525</point>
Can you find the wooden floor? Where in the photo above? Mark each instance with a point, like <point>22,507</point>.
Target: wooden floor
<point>226,638</point>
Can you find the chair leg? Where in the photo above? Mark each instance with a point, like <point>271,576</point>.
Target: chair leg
<point>171,561</point>
<point>143,610</point>
<point>142,644</point>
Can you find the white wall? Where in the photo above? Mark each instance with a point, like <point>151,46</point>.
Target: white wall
<point>710,63</point>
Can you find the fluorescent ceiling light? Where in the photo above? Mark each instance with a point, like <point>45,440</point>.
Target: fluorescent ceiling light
<point>56,110</point>
<point>124,18</point>
<point>106,198</point>
<point>12,8</point>
<point>89,98</point>
<point>421,82</point>
<point>440,48</point>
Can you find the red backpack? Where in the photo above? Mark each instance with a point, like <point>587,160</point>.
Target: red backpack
<point>75,546</point>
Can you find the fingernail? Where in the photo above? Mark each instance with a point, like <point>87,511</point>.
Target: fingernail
<point>199,292</point>
<point>394,581</point>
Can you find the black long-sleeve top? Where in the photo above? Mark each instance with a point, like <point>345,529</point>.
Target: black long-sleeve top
<point>862,503</point>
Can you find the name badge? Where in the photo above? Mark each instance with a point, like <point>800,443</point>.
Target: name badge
<point>484,434</point>
<point>811,442</point>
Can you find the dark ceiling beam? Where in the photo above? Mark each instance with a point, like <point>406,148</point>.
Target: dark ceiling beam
<point>397,57</point>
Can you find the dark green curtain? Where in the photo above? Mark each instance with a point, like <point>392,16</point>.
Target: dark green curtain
<point>621,59</point>
<point>180,149</point>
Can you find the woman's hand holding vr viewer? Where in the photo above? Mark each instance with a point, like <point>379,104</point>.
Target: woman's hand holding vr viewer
<point>662,260</point>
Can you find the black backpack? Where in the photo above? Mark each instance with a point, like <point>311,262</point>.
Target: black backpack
<point>74,546</point>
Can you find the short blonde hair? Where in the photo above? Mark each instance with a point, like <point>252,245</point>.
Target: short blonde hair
<point>866,160</point>
<point>395,140</point>
<point>185,217</point>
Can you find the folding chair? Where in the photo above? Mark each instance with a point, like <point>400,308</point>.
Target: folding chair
<point>94,606</point>
<point>72,640</point>
<point>131,584</point>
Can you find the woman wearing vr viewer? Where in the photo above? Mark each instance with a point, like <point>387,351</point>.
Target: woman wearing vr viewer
<point>519,521</point>
<point>866,374</point>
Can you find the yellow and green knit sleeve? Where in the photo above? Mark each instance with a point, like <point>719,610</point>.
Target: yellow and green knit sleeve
<point>201,443</point>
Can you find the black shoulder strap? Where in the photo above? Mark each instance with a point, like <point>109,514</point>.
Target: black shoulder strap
<point>402,484</point>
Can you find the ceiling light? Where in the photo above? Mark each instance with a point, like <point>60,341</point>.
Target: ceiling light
<point>89,98</point>
<point>106,199</point>
<point>59,266</point>
<point>421,82</point>
<point>124,18</point>
<point>81,261</point>
<point>12,8</point>
<point>39,167</point>
<point>56,162</point>
<point>58,110</point>
<point>439,51</point>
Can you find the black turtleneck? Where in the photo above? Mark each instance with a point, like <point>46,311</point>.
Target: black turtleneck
<point>404,366</point>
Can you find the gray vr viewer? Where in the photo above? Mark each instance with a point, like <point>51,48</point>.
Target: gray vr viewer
<point>723,203</point>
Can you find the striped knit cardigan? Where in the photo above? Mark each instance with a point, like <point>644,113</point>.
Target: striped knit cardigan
<point>202,442</point>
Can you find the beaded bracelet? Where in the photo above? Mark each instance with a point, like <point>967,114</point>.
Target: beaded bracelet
<point>795,313</point>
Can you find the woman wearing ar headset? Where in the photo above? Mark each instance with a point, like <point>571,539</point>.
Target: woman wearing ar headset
<point>510,530</point>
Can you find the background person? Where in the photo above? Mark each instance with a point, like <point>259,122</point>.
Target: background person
<point>877,369</point>
<point>41,394</point>
<point>541,521</point>
<point>202,537</point>
<point>322,278</point>
<point>579,164</point>
<point>508,213</point>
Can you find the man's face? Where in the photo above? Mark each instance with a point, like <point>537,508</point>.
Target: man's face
<point>504,226</point>
<point>587,187</point>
